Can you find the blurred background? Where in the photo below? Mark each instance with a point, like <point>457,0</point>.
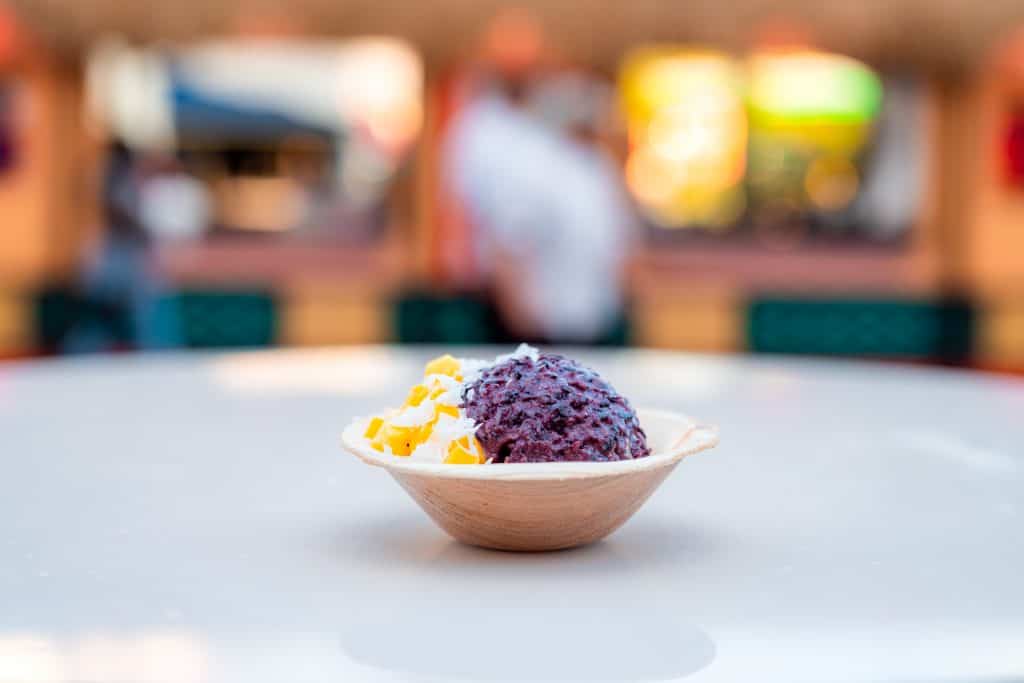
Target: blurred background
<point>825,178</point>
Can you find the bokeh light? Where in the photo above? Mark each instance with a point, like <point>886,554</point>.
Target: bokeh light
<point>811,116</point>
<point>831,183</point>
<point>687,130</point>
<point>380,85</point>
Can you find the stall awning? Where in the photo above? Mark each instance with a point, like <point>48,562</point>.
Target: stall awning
<point>199,116</point>
<point>929,33</point>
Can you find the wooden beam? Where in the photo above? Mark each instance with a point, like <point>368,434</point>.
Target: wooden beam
<point>933,34</point>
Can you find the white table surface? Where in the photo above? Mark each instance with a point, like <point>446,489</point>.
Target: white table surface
<point>191,518</point>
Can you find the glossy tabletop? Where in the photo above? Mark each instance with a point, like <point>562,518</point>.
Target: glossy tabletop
<point>191,518</point>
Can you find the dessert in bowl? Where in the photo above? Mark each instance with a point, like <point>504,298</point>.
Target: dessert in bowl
<point>531,451</point>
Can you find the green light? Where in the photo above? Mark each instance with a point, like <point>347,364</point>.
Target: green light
<point>811,87</point>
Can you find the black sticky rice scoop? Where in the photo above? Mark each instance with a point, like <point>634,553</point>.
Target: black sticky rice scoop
<point>549,410</point>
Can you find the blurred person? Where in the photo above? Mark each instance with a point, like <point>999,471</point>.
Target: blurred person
<point>896,166</point>
<point>550,216</point>
<point>173,204</point>
<point>596,217</point>
<point>122,299</point>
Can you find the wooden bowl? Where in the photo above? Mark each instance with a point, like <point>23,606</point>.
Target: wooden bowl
<point>541,506</point>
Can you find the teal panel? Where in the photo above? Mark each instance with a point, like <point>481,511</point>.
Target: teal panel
<point>936,330</point>
<point>425,319</point>
<point>217,319</point>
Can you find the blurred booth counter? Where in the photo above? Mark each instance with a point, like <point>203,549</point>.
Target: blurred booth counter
<point>712,298</point>
<point>830,225</point>
<point>316,294</point>
<point>702,318</point>
<point>1000,340</point>
<point>15,324</point>
<point>242,191</point>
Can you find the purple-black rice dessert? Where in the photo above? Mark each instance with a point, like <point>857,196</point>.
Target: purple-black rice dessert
<point>548,408</point>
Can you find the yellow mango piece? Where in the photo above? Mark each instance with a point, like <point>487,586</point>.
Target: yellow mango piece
<point>441,409</point>
<point>461,453</point>
<point>457,455</point>
<point>374,427</point>
<point>444,365</point>
<point>402,440</point>
<point>416,395</point>
<point>425,431</point>
<point>377,443</point>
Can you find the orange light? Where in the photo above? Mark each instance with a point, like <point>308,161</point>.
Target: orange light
<point>380,83</point>
<point>831,183</point>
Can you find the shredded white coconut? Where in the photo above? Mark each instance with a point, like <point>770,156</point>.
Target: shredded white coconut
<point>414,416</point>
<point>471,369</point>
<point>522,351</point>
<point>448,428</point>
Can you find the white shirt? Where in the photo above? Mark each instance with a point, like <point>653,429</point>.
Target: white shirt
<point>551,203</point>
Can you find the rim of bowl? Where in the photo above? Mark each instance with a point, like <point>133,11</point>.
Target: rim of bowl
<point>694,437</point>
